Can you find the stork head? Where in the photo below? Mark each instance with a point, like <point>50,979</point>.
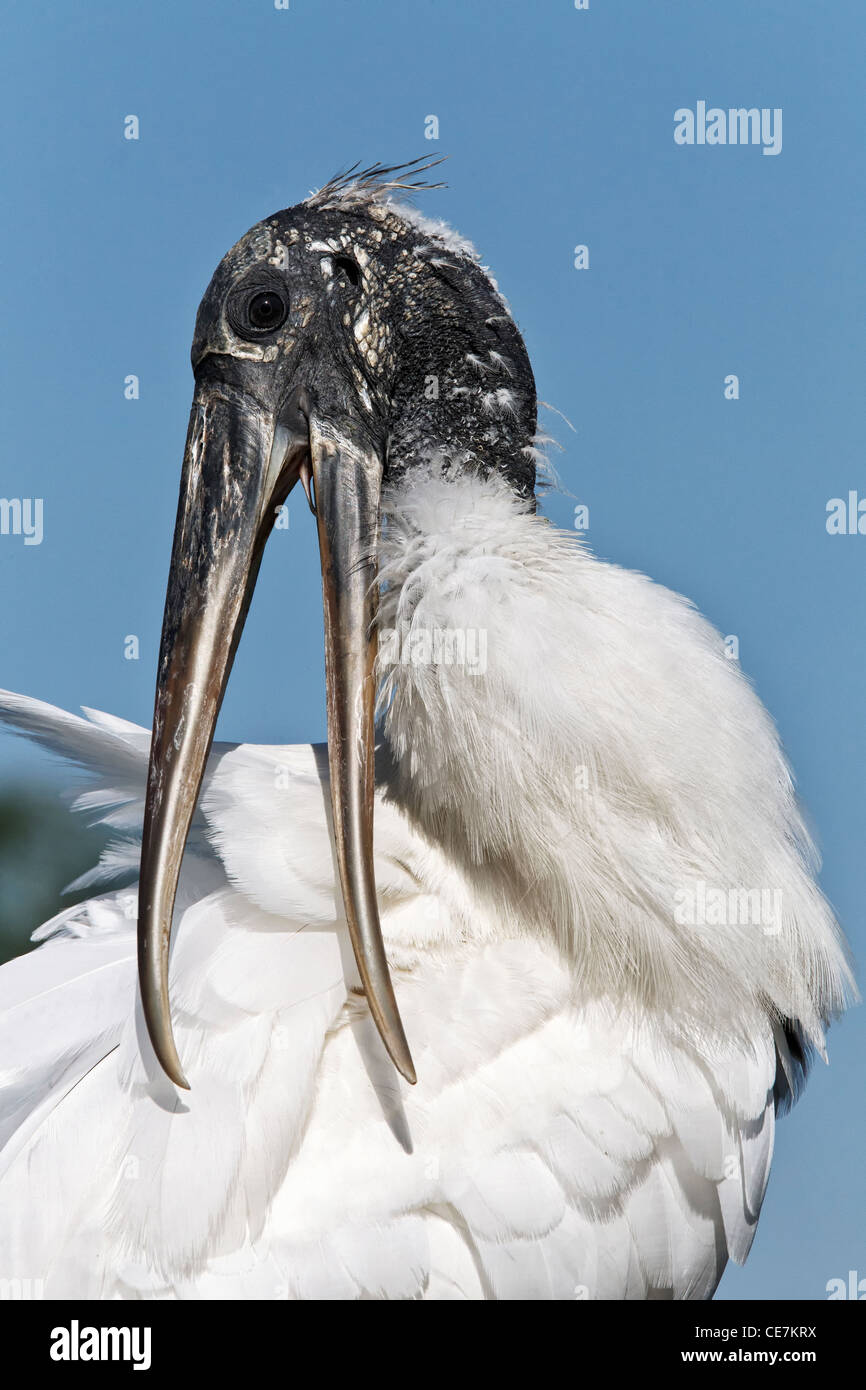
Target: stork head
<point>341,342</point>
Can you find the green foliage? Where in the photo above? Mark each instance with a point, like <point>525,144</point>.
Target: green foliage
<point>43,846</point>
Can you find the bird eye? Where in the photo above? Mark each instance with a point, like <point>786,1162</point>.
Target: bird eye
<point>254,315</point>
<point>346,267</point>
<point>267,310</point>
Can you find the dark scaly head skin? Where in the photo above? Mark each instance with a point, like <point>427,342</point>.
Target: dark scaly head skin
<point>389,315</point>
<point>343,342</point>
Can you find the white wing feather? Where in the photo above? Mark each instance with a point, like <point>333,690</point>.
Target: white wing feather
<point>592,1155</point>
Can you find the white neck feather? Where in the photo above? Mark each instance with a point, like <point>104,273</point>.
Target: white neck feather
<point>594,762</point>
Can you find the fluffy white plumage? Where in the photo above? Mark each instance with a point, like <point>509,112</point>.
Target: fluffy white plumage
<point>594,1115</point>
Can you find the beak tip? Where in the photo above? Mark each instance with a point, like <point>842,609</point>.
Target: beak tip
<point>402,1059</point>
<point>174,1072</point>
<point>170,1063</point>
<point>153,992</point>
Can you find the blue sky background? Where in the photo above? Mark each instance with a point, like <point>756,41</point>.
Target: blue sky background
<point>559,124</point>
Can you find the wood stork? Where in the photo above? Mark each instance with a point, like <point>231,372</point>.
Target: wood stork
<point>587,920</point>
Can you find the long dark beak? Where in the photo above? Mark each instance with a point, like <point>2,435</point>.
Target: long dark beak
<point>239,465</point>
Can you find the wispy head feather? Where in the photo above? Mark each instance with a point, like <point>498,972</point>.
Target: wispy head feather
<point>374,184</point>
